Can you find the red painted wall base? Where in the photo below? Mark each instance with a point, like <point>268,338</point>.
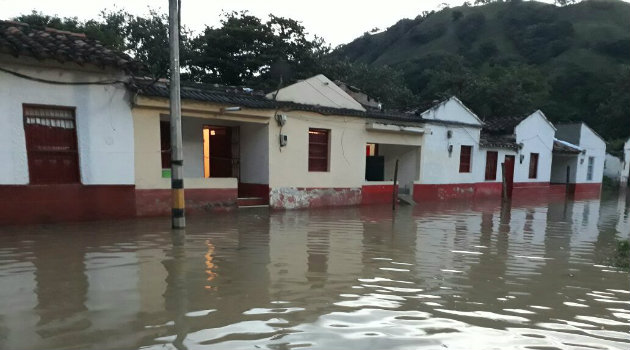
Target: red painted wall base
<point>35,204</point>
<point>158,202</point>
<point>376,194</point>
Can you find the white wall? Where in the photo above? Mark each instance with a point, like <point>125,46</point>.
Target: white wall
<point>440,167</point>
<point>612,167</point>
<point>254,154</point>
<point>103,119</point>
<point>536,134</point>
<point>595,147</point>
<point>437,165</point>
<point>483,155</point>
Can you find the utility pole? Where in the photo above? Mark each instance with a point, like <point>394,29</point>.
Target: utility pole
<point>177,154</point>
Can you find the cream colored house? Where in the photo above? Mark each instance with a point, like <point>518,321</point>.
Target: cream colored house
<point>247,149</point>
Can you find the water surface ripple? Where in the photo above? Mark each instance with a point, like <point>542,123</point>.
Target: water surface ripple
<point>453,275</point>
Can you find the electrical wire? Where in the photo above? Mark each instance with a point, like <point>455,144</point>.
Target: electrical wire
<point>55,82</point>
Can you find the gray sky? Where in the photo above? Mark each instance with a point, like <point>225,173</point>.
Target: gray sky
<point>337,21</point>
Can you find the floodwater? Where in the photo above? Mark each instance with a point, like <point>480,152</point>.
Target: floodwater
<point>448,276</point>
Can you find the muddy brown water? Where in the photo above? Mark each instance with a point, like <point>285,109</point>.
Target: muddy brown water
<point>435,276</point>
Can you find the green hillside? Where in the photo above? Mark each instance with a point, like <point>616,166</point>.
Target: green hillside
<point>570,61</point>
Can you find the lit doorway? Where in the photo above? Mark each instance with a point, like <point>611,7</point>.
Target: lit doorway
<point>218,152</point>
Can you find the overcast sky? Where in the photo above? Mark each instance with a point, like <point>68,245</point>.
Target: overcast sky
<point>337,21</point>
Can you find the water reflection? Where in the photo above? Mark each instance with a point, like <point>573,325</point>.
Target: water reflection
<point>457,275</point>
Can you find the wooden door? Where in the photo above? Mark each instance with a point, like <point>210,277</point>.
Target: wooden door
<point>51,144</point>
<point>509,175</point>
<point>220,152</point>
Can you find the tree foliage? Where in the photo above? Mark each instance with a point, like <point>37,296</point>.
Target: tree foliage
<point>243,49</point>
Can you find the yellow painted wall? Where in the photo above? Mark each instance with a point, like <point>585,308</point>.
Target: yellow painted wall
<point>348,138</point>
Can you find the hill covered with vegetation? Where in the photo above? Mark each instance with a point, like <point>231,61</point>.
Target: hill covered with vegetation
<point>506,58</point>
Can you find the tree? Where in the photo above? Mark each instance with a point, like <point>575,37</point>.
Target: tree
<point>384,83</point>
<point>242,50</point>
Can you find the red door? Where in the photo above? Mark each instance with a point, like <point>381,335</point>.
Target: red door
<point>51,144</point>
<point>509,175</point>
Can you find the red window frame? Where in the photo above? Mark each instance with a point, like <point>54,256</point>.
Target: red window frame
<point>318,150</point>
<point>492,158</point>
<point>533,165</point>
<point>165,143</point>
<point>51,144</point>
<point>465,155</point>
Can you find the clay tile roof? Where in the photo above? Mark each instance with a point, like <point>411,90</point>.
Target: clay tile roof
<point>19,39</point>
<point>502,125</point>
<point>247,98</point>
<point>497,141</point>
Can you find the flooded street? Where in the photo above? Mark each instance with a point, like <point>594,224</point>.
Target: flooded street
<point>455,275</point>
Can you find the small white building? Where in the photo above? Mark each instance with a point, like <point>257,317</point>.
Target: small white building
<point>583,171</point>
<point>612,167</point>
<point>67,132</point>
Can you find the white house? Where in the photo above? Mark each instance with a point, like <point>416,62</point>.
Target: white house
<point>524,146</point>
<point>67,131</point>
<point>612,167</point>
<point>451,158</point>
<point>584,171</point>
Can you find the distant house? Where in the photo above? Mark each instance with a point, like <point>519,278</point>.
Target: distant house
<point>612,167</point>
<point>364,99</point>
<point>579,158</point>
<point>67,131</point>
<point>523,145</point>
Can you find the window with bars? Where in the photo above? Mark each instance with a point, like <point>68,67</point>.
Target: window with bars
<point>533,165</point>
<point>465,159</point>
<point>491,165</point>
<point>589,170</point>
<point>51,144</point>
<point>318,149</point>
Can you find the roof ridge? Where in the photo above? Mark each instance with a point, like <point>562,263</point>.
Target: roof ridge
<point>66,32</point>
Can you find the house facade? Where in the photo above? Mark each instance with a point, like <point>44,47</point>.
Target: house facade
<point>524,146</point>
<point>583,171</point>
<point>451,158</point>
<point>67,130</point>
